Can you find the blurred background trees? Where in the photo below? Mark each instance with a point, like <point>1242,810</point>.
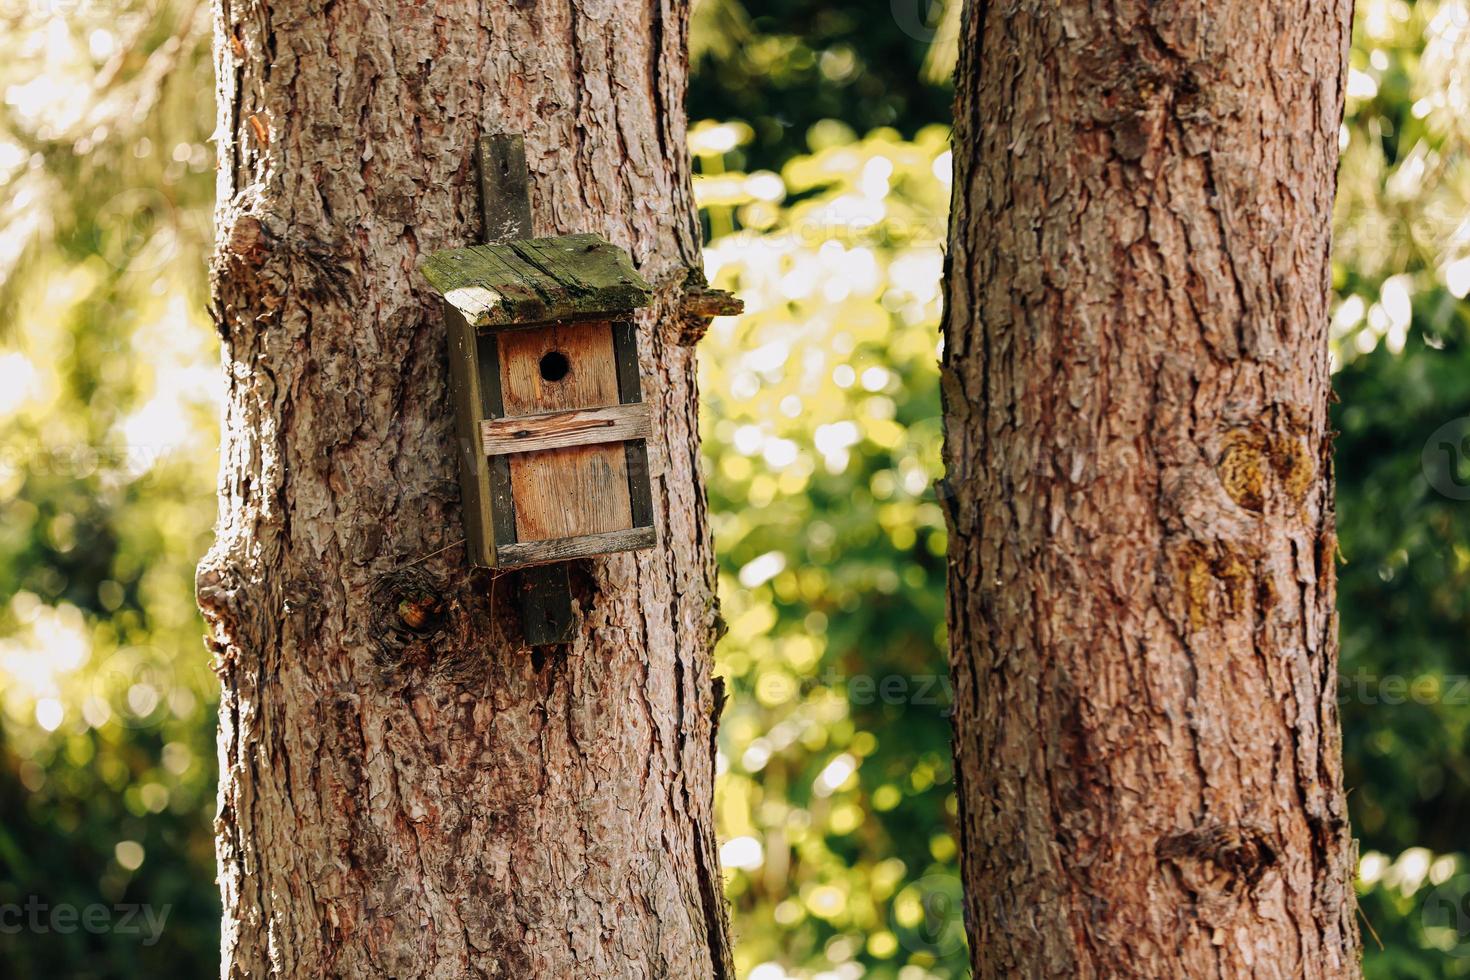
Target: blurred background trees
<point>824,167</point>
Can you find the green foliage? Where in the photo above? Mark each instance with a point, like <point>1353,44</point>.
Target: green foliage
<point>784,66</point>
<point>1417,910</point>
<point>1401,326</point>
<point>822,433</point>
<point>107,434</point>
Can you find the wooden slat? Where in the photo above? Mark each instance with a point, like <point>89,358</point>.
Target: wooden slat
<point>640,496</point>
<point>557,430</point>
<point>625,353</point>
<point>492,405</point>
<point>546,605</point>
<point>487,361</point>
<point>565,493</point>
<point>505,193</point>
<point>502,504</point>
<point>529,552</point>
<point>635,452</point>
<point>474,466</point>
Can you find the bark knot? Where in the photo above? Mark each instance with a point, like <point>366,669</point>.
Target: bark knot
<point>1220,859</point>
<point>1243,468</point>
<point>1201,566</point>
<point>1251,457</point>
<point>263,261</point>
<point>1294,465</point>
<point>228,606</point>
<point>409,612</point>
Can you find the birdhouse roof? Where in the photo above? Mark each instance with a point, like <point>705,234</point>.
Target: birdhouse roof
<point>537,280</point>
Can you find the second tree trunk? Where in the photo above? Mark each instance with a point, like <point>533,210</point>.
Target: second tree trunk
<point>1136,382</point>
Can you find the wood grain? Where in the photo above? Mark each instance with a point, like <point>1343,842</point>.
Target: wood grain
<point>558,430</point>
<point>535,280</point>
<point>630,389</point>
<point>526,553</point>
<point>545,597</point>
<point>468,397</point>
<point>565,492</point>
<point>492,405</point>
<point>591,382</point>
<point>505,196</point>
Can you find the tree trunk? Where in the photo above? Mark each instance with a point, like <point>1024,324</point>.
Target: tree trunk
<point>406,789</point>
<point>1136,382</point>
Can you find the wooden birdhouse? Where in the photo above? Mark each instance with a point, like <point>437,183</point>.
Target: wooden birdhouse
<point>550,414</point>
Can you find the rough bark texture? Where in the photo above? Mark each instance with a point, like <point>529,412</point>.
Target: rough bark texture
<point>406,790</point>
<point>1136,382</point>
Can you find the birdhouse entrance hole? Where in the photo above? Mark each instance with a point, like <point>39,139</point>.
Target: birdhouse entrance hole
<point>554,366</point>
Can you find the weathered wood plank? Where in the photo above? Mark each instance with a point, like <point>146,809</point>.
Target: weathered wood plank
<point>563,493</point>
<point>590,380</point>
<point>546,605</point>
<point>635,452</point>
<point>537,280</point>
<point>625,353</point>
<point>503,284</point>
<point>557,430</point>
<point>640,488</point>
<point>474,467</point>
<point>578,275</point>
<point>487,357</point>
<point>505,188</point>
<point>502,503</point>
<point>525,553</point>
<point>492,405</point>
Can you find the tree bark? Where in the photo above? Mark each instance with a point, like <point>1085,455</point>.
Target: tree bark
<point>1136,382</point>
<point>406,789</point>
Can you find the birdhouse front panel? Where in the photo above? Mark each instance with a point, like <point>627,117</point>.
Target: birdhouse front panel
<point>577,490</point>
<point>548,402</point>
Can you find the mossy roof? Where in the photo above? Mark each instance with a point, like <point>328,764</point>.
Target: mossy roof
<point>537,280</point>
